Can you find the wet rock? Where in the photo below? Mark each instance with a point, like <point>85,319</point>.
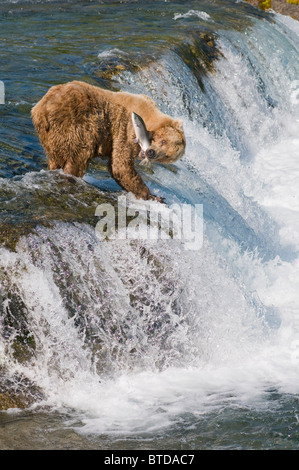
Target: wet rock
<point>42,199</point>
<point>17,391</point>
<point>36,200</point>
<point>199,53</point>
<point>15,325</point>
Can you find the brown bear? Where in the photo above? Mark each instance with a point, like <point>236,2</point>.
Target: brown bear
<point>76,122</point>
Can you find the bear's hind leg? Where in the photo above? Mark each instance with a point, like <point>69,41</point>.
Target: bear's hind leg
<point>53,165</point>
<point>74,169</point>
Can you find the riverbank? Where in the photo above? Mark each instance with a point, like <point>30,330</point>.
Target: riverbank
<point>280,6</point>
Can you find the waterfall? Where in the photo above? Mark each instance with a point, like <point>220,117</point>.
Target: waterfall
<point>132,334</point>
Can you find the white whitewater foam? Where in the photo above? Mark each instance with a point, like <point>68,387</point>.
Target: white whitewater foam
<point>200,14</point>
<point>114,52</point>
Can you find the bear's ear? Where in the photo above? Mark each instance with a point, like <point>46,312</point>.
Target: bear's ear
<point>179,124</point>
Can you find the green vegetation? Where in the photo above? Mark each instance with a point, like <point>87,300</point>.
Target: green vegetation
<point>265,4</point>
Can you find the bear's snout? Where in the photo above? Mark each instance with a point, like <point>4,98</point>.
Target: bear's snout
<point>150,153</point>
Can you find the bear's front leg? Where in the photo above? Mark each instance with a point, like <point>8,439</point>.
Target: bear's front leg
<point>124,172</point>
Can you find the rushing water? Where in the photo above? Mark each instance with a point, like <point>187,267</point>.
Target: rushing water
<point>137,344</point>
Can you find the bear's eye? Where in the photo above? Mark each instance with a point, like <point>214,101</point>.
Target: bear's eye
<point>163,142</point>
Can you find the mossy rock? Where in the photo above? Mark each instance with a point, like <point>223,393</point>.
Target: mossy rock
<point>44,199</point>
<point>199,52</point>
<point>10,401</point>
<point>17,391</point>
<point>14,318</point>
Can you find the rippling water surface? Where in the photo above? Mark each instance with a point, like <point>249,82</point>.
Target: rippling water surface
<point>133,344</point>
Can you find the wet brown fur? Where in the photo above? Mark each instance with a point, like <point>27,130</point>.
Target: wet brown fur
<point>77,122</point>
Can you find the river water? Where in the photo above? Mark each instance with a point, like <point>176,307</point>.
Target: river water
<point>141,344</point>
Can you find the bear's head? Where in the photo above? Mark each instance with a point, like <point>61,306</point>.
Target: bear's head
<point>167,143</point>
